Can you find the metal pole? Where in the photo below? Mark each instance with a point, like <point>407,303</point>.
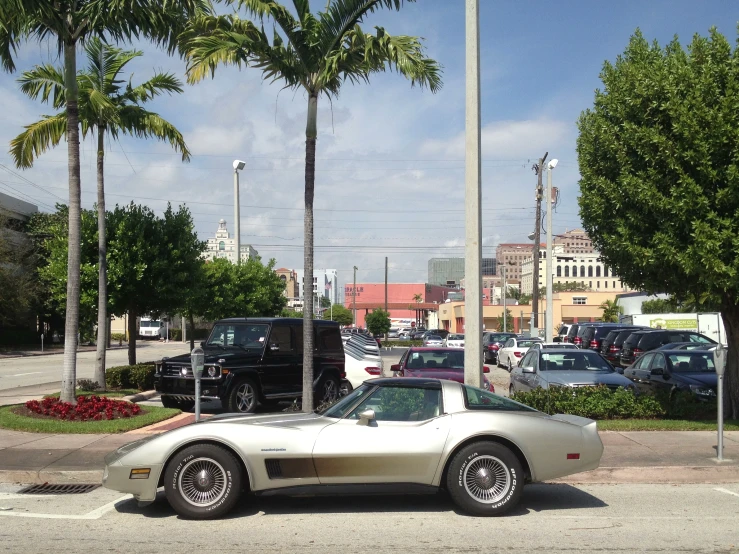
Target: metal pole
<point>549,319</point>
<point>472,200</point>
<point>537,241</point>
<point>720,393</point>
<point>237,217</point>
<point>503,294</point>
<point>354,296</point>
<point>197,399</point>
<point>386,296</point>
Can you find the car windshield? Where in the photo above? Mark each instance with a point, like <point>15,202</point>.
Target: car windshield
<point>526,343</point>
<point>156,324</point>
<point>577,360</point>
<point>500,338</point>
<point>238,335</point>
<point>455,337</point>
<point>436,359</point>
<point>433,337</point>
<point>692,362</point>
<point>564,345</point>
<point>339,409</point>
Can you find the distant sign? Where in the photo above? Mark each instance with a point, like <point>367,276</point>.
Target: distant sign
<point>685,324</point>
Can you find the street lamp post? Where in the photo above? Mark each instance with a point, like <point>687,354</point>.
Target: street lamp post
<point>238,165</point>
<point>549,317</point>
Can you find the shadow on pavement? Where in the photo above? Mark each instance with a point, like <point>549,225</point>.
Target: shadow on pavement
<point>536,498</point>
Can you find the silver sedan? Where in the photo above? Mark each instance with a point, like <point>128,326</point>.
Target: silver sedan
<point>392,435</point>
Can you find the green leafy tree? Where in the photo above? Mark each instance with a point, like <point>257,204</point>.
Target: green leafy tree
<point>526,298</point>
<point>659,306</point>
<point>66,24</point>
<point>378,322</point>
<point>313,53</point>
<point>324,302</point>
<point>566,286</point>
<point>18,285</point>
<point>107,104</point>
<point>658,156</point>
<point>508,322</point>
<point>611,311</point>
<point>339,314</point>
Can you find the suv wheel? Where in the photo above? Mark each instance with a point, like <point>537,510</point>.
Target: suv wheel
<point>327,390</point>
<point>242,398</point>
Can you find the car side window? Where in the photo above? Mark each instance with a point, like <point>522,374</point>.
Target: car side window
<point>401,404</point>
<point>528,360</point>
<point>508,343</point>
<point>658,362</point>
<point>281,340</point>
<point>644,361</point>
<point>328,339</point>
<point>699,339</point>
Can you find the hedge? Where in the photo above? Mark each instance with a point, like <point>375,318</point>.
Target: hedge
<point>139,376</point>
<point>604,403</point>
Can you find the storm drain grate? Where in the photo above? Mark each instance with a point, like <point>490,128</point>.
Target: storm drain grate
<point>46,488</point>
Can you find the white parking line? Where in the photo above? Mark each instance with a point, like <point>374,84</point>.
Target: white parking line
<point>94,514</point>
<point>719,489</point>
<point>24,374</point>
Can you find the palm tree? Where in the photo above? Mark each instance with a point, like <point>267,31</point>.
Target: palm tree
<point>105,103</point>
<point>68,23</point>
<point>316,53</point>
<point>611,311</point>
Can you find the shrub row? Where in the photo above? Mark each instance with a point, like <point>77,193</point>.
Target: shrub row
<point>139,376</point>
<point>603,403</point>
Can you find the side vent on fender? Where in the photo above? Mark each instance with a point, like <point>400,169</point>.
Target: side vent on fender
<point>274,469</point>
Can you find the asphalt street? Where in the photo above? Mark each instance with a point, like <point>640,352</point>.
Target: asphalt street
<point>549,518</point>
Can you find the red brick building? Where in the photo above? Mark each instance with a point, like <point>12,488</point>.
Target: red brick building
<point>402,300</point>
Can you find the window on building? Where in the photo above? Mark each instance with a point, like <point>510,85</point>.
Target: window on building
<point>606,284</point>
<point>597,285</point>
<point>614,284</point>
<point>567,271</point>
<point>574,271</point>
<point>221,245</point>
<point>559,271</point>
<point>591,284</point>
<point>582,271</point>
<point>579,300</point>
<point>590,271</point>
<point>597,271</point>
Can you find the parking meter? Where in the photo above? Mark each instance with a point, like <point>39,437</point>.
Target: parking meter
<point>719,358</point>
<point>197,360</point>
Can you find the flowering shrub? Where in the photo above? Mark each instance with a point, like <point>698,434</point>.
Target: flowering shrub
<point>88,408</point>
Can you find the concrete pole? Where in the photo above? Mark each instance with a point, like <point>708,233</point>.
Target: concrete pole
<point>472,201</point>
<point>386,296</point>
<point>354,296</point>
<point>537,242</point>
<point>503,294</point>
<point>549,318</point>
<point>237,217</point>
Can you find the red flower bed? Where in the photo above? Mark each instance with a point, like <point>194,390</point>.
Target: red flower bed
<point>93,408</point>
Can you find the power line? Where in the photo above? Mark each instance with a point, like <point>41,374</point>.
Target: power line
<point>7,169</point>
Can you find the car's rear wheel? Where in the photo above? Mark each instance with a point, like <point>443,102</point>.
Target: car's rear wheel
<point>510,366</point>
<point>243,397</point>
<point>485,479</point>
<point>203,481</point>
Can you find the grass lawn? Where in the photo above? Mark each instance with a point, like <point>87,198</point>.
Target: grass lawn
<point>664,425</point>
<point>16,422</point>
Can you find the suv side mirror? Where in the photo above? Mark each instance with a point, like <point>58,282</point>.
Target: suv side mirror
<point>365,417</point>
<point>202,344</point>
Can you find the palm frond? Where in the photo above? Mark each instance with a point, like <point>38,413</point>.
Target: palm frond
<point>105,63</point>
<point>45,81</point>
<point>38,138</point>
<point>158,84</point>
<point>303,9</point>
<point>136,121</point>
<point>344,15</point>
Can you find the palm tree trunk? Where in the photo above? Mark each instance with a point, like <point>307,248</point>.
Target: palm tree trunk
<point>311,132</point>
<point>71,325</point>
<point>103,320</point>
<point>132,315</point>
<point>192,331</point>
<point>730,315</point>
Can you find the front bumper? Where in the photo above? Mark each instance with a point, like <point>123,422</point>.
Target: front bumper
<point>117,476</point>
<point>184,388</point>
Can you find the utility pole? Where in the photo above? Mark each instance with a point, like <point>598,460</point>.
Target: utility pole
<point>386,295</point>
<point>354,296</point>
<point>537,240</point>
<point>503,294</point>
<point>472,200</point>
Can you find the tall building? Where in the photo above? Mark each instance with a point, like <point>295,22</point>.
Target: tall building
<point>325,284</point>
<point>512,256</point>
<point>450,271</point>
<point>292,290</point>
<point>575,241</point>
<point>223,246</point>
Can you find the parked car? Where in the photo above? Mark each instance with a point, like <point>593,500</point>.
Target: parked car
<point>536,345</point>
<point>417,333</point>
<point>675,370</point>
<point>688,346</point>
<point>571,333</point>
<point>435,363</point>
<point>593,335</point>
<point>438,332</point>
<point>454,341</point>
<point>433,340</point>
<point>373,440</point>
<point>562,333</point>
<point>512,351</point>
<point>644,341</point>
<point>610,347</point>
<point>491,343</point>
<point>405,332</point>
<point>392,333</point>
<point>565,368</point>
<point>249,361</point>
<point>347,332</point>
<point>362,361</point>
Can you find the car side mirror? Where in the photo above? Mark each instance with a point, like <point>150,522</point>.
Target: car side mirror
<point>485,369</point>
<point>528,369</point>
<point>395,367</point>
<point>365,417</point>
<point>202,344</point>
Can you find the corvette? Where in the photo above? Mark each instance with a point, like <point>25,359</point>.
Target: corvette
<point>389,435</point>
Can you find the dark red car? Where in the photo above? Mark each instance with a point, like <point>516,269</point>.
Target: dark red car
<point>435,363</point>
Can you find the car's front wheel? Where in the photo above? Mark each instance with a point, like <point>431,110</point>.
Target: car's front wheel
<point>243,397</point>
<point>485,479</point>
<point>203,481</point>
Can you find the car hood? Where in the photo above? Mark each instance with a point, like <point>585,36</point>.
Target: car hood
<point>288,420</point>
<point>450,374</point>
<point>586,377</point>
<point>212,355</point>
<point>708,379</point>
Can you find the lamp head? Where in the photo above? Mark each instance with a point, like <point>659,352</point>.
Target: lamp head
<point>239,165</point>
<point>553,163</point>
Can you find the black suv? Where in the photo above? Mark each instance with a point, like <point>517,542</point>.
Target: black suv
<point>255,360</point>
<point>593,335</point>
<point>610,347</point>
<point>644,341</point>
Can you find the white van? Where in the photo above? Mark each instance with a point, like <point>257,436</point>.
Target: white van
<point>149,328</point>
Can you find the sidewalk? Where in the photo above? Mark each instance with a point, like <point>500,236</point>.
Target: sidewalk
<point>629,457</point>
<point>51,350</point>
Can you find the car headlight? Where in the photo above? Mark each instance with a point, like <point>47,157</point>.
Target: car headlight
<point>702,391</point>
<point>212,371</point>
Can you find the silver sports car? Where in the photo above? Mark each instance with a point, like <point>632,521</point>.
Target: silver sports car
<point>389,435</point>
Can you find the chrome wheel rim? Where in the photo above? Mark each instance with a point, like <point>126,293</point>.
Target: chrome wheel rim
<point>330,391</point>
<point>486,479</point>
<point>245,397</point>
<point>202,482</point>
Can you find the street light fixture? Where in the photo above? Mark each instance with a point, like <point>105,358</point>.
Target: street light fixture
<point>238,165</point>
<point>549,316</point>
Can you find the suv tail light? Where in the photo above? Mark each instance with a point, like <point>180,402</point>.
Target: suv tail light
<point>577,341</point>
<point>613,348</point>
<point>373,370</point>
<point>594,344</point>
<point>637,351</point>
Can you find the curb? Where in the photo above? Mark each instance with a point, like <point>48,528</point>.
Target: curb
<point>54,477</point>
<point>141,396</point>
<point>655,475</point>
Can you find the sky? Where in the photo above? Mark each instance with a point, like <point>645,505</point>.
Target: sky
<point>390,158</point>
